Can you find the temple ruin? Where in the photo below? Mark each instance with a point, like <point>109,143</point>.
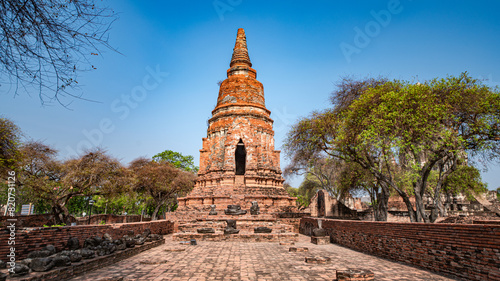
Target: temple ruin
<point>239,166</point>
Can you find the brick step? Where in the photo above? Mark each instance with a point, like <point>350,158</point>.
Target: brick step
<point>243,225</point>
<point>240,237</point>
<point>186,216</point>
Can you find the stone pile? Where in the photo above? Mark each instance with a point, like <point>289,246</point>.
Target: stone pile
<point>49,258</point>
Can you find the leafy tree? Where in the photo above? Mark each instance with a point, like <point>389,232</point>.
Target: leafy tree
<point>56,183</point>
<point>10,140</point>
<point>161,181</point>
<point>177,159</point>
<point>45,43</point>
<point>324,132</point>
<point>325,171</point>
<point>303,195</point>
<point>130,202</point>
<point>356,179</point>
<point>400,132</point>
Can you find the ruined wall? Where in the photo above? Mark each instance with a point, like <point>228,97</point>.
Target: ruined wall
<point>48,219</point>
<point>31,239</point>
<point>467,251</point>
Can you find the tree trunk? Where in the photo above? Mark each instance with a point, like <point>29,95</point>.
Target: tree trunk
<point>409,206</point>
<point>61,215</point>
<point>382,202</point>
<point>419,204</point>
<point>155,212</point>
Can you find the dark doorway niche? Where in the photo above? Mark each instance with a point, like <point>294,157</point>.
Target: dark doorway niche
<point>240,158</point>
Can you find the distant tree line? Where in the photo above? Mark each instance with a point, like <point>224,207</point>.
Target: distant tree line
<point>64,188</point>
<point>399,138</point>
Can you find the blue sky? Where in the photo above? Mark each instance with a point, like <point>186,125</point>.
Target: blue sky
<point>179,50</point>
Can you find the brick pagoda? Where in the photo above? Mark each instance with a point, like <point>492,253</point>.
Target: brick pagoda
<point>238,166</point>
<point>238,162</point>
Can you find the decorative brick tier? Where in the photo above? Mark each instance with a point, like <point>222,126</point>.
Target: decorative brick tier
<point>79,268</point>
<point>268,204</point>
<point>240,237</point>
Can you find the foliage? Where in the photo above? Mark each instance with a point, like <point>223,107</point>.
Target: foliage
<point>129,201</point>
<point>94,173</point>
<point>45,43</point>
<point>465,180</point>
<point>55,225</point>
<point>161,181</point>
<point>400,132</point>
<point>177,159</point>
<point>323,169</point>
<point>302,199</point>
<point>10,140</point>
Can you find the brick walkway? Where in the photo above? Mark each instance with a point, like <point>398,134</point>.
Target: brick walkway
<point>250,261</point>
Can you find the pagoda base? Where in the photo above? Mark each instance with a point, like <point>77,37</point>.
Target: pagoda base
<point>267,204</point>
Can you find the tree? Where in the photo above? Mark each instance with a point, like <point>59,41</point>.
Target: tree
<point>323,169</point>
<point>129,201</point>
<point>161,181</point>
<point>45,43</point>
<point>54,182</point>
<point>10,140</point>
<point>325,132</point>
<point>400,132</point>
<point>354,178</point>
<point>177,159</point>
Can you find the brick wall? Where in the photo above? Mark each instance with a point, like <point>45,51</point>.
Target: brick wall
<point>464,250</point>
<point>30,221</point>
<point>30,239</point>
<point>109,219</point>
<point>48,219</point>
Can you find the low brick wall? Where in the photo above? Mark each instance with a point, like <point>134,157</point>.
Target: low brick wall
<point>79,268</point>
<point>48,219</point>
<point>465,250</point>
<point>108,219</point>
<point>30,221</point>
<point>30,239</point>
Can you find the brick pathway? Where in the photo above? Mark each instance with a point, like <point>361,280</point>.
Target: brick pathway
<point>250,261</point>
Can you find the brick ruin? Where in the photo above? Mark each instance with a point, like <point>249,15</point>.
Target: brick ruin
<point>458,208</point>
<point>238,161</point>
<point>238,165</point>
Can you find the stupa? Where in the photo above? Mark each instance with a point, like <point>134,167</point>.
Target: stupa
<point>238,161</point>
<point>239,180</point>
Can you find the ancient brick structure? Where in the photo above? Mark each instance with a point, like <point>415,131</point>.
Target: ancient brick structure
<point>464,250</point>
<point>238,162</point>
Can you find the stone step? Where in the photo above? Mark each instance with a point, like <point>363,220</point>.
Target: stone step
<point>186,216</point>
<point>243,236</point>
<point>243,225</point>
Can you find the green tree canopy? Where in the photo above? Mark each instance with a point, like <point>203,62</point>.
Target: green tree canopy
<point>10,141</point>
<point>161,181</point>
<point>400,131</point>
<point>177,159</point>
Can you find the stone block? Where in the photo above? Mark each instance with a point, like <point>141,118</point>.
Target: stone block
<point>318,260</point>
<point>355,275</point>
<point>298,249</point>
<point>324,240</point>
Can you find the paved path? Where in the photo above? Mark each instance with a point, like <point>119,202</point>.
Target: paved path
<point>250,261</point>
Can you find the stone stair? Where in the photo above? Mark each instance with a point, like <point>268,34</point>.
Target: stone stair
<point>187,223</point>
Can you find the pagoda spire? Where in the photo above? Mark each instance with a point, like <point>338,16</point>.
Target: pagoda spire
<point>240,61</point>
<point>240,52</point>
